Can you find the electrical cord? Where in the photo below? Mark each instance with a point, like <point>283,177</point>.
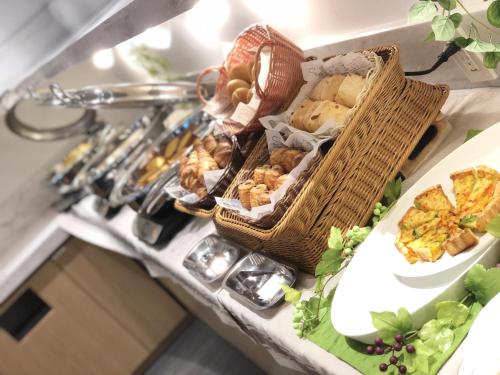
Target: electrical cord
<point>450,50</point>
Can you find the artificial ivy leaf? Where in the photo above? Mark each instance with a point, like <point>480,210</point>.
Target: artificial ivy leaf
<point>477,45</point>
<point>462,42</point>
<point>418,361</point>
<point>493,13</point>
<point>389,324</point>
<point>453,311</point>
<point>392,191</point>
<point>484,284</point>
<point>436,336</point>
<point>491,59</point>
<point>330,262</point>
<point>448,4</point>
<point>430,37</point>
<point>443,27</point>
<point>422,11</point>
<point>471,133</point>
<point>291,295</point>
<point>319,284</point>
<point>335,241</point>
<point>456,18</point>
<point>493,227</point>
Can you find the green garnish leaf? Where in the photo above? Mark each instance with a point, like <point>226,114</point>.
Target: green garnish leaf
<point>436,335</point>
<point>493,227</point>
<point>392,190</point>
<point>448,4</point>
<point>456,18</point>
<point>471,133</point>
<point>493,13</point>
<point>291,295</point>
<point>443,27</point>
<point>491,59</point>
<point>467,221</point>
<point>319,284</point>
<point>484,284</point>
<point>422,11</point>
<point>462,42</point>
<point>330,262</point>
<point>335,241</point>
<point>452,311</point>
<point>430,37</point>
<point>477,45</point>
<point>389,324</point>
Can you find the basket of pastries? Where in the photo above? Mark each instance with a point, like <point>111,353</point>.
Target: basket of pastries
<point>258,77</point>
<point>207,171</point>
<point>384,119</point>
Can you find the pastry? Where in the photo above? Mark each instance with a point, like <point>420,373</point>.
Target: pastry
<point>239,95</point>
<point>234,84</point>
<point>325,111</point>
<point>209,143</point>
<point>277,155</point>
<point>222,154</point>
<point>255,195</point>
<point>244,193</point>
<point>350,88</point>
<point>280,181</point>
<point>259,172</point>
<point>240,71</point>
<point>297,118</point>
<point>206,163</point>
<point>271,176</point>
<point>433,199</point>
<point>461,241</point>
<point>327,88</point>
<point>291,158</point>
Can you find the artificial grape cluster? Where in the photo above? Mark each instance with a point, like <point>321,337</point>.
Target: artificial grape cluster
<point>379,212</point>
<point>380,348</point>
<point>355,236</point>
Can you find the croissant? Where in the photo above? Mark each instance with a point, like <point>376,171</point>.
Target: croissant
<point>222,154</point>
<point>189,165</point>
<point>209,143</point>
<point>256,195</point>
<point>280,181</point>
<point>244,193</point>
<point>206,163</point>
<point>288,158</point>
<point>276,155</point>
<point>259,172</point>
<point>272,175</point>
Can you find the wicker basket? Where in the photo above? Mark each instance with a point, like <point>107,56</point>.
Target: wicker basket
<point>283,81</point>
<point>206,207</point>
<point>344,188</point>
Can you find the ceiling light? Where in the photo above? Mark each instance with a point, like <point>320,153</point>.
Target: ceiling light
<point>103,59</point>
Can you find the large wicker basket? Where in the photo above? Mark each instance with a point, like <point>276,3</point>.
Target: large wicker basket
<point>344,188</point>
<point>283,81</point>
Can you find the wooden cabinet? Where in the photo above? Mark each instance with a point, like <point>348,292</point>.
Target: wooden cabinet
<point>104,315</point>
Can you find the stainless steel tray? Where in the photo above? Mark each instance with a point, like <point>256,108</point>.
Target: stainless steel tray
<point>256,281</point>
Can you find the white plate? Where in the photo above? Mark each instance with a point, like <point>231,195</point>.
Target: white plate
<point>369,283</point>
<point>481,353</point>
<point>483,149</point>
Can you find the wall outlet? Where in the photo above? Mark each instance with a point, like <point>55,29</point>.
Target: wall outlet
<point>471,63</point>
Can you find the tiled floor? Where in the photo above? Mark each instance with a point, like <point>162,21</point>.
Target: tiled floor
<point>200,351</point>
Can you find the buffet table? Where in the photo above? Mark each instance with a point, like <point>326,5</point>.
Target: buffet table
<point>465,109</point>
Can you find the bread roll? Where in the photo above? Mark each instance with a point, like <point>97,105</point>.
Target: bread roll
<point>349,90</point>
<point>234,84</point>
<point>239,95</point>
<point>244,193</point>
<point>327,88</point>
<point>259,173</point>
<point>255,195</point>
<point>324,112</point>
<point>272,175</point>
<point>297,119</point>
<point>240,71</point>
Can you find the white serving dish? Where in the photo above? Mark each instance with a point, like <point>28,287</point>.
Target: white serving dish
<point>379,278</point>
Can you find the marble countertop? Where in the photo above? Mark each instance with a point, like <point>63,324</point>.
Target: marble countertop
<point>465,109</point>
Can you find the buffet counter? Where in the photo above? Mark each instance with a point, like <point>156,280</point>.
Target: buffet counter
<point>465,109</point>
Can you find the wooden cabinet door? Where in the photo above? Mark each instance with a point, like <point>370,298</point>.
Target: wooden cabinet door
<point>124,289</point>
<point>75,337</point>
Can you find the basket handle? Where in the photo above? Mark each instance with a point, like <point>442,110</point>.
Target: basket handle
<point>258,89</point>
<point>203,73</point>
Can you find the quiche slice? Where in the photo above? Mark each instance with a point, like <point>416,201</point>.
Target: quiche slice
<point>433,199</point>
<point>463,183</point>
<point>480,195</point>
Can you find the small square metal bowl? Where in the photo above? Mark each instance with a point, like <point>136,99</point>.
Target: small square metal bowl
<point>211,258</point>
<point>256,281</point>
